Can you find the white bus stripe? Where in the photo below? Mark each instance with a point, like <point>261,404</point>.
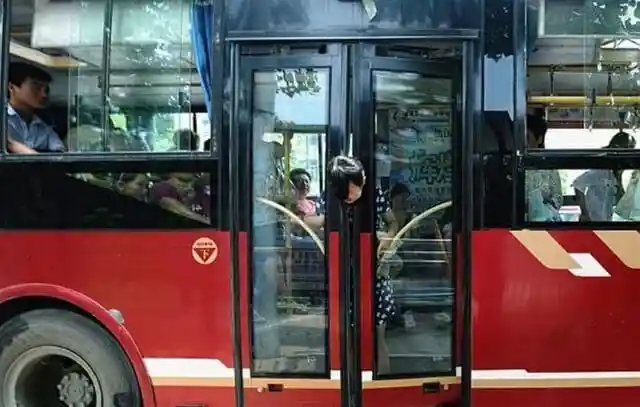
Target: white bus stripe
<point>589,266</point>
<point>194,368</point>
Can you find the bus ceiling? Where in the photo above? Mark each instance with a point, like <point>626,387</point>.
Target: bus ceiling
<point>583,72</point>
<point>43,30</point>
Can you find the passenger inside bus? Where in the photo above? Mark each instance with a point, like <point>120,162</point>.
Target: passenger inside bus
<point>186,140</point>
<point>135,185</point>
<point>543,187</point>
<point>176,194</point>
<point>28,94</point>
<point>598,191</point>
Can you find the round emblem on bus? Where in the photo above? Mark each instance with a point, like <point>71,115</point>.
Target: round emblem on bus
<point>204,251</point>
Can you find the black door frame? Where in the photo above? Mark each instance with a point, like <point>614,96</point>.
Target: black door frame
<point>337,142</point>
<point>364,148</point>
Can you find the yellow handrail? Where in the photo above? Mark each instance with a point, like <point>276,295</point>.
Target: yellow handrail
<point>396,242</point>
<point>584,100</point>
<point>295,220</point>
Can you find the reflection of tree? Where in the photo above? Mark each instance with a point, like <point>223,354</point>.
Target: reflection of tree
<point>600,17</point>
<point>296,81</point>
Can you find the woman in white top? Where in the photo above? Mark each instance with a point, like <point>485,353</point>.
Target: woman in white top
<point>598,190</point>
<point>543,188</point>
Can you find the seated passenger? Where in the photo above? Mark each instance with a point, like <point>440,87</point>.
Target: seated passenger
<point>135,185</point>
<point>28,93</point>
<point>598,191</point>
<point>543,187</point>
<point>301,181</point>
<point>186,140</point>
<point>176,194</point>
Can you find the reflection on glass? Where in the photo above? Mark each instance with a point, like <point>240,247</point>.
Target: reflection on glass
<point>155,100</point>
<point>290,118</point>
<point>582,75</point>
<point>184,194</point>
<point>413,130</point>
<point>594,195</point>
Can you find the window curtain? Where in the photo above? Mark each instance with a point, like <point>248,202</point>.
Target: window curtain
<point>202,41</point>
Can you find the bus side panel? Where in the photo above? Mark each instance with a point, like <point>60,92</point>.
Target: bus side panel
<point>553,325</point>
<point>176,309</point>
<point>618,397</point>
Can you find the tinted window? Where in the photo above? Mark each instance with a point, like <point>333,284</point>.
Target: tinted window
<point>45,198</point>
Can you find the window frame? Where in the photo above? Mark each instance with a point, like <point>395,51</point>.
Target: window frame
<point>539,159</point>
<point>212,161</point>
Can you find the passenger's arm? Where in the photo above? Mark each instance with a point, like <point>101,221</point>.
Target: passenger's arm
<point>314,221</point>
<point>55,143</point>
<point>175,206</point>
<point>19,148</point>
<point>392,229</point>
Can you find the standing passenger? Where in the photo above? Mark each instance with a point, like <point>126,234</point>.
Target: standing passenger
<point>543,187</point>
<point>598,191</point>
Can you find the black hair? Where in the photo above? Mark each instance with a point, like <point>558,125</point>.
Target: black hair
<point>538,127</point>
<point>622,139</point>
<point>342,171</point>
<point>399,189</point>
<point>298,172</point>
<point>19,72</point>
<point>186,139</point>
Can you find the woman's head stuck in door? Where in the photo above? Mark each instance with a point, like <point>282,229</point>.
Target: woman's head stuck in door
<point>346,178</point>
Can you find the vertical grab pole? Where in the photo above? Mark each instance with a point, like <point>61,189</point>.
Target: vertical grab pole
<point>4,68</point>
<point>287,136</point>
<point>105,82</point>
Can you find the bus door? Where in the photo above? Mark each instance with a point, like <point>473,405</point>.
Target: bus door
<point>406,130</point>
<point>328,316</point>
<point>291,119</point>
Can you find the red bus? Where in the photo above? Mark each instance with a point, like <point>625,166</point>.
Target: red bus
<point>171,239</point>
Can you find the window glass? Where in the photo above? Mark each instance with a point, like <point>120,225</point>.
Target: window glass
<point>587,195</point>
<point>289,302</point>
<point>413,279</point>
<point>582,74</point>
<point>140,92</point>
<point>48,198</point>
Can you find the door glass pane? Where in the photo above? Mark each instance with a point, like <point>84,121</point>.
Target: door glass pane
<point>290,121</point>
<point>414,291</point>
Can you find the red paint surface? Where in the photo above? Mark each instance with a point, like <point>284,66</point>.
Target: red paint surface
<point>366,303</point>
<point>334,300</point>
<point>529,317</point>
<point>594,397</point>
<point>525,316</point>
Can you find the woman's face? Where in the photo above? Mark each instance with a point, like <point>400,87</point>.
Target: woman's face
<point>303,184</point>
<point>355,191</point>
<point>136,188</point>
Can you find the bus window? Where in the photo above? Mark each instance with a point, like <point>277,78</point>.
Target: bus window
<point>133,200</point>
<point>582,93</point>
<point>582,195</point>
<point>140,92</point>
<point>582,73</point>
<point>414,331</point>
